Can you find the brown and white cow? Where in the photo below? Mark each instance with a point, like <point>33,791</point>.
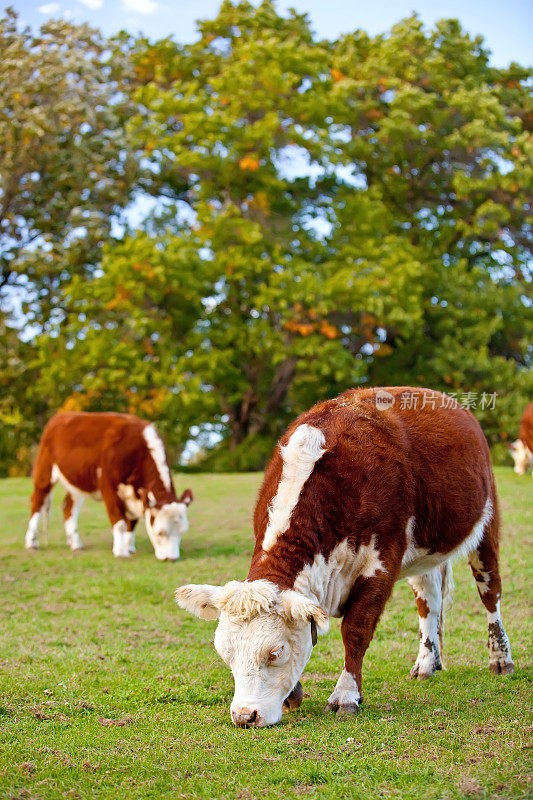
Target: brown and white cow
<point>117,458</point>
<point>522,448</point>
<point>361,491</point>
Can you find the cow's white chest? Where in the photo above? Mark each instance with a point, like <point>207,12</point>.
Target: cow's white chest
<point>74,491</point>
<point>330,581</point>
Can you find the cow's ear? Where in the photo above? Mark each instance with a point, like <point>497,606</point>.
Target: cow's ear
<point>296,606</point>
<point>199,599</point>
<point>186,497</point>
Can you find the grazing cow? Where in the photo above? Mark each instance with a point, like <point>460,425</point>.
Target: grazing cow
<point>522,449</point>
<point>117,458</point>
<point>373,486</point>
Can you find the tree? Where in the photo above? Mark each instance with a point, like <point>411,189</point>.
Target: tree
<point>121,345</point>
<point>66,174</point>
<point>336,214</point>
<point>66,169</point>
<point>232,114</point>
<point>442,140</point>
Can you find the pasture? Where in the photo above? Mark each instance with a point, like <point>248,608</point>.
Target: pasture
<point>108,690</point>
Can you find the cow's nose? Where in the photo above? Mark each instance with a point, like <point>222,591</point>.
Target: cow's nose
<point>245,717</point>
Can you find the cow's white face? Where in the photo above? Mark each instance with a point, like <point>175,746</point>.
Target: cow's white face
<point>522,456</point>
<point>267,657</point>
<point>166,526</point>
<point>264,636</point>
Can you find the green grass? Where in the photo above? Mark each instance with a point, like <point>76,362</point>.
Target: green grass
<point>86,638</point>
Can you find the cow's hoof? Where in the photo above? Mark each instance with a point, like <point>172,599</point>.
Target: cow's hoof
<point>424,669</point>
<point>417,673</point>
<point>32,547</point>
<point>501,667</point>
<point>343,709</point>
<point>294,700</point>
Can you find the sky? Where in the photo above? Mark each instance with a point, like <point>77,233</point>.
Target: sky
<point>505,26</point>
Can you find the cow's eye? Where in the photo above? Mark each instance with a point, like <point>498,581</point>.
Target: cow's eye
<point>275,654</point>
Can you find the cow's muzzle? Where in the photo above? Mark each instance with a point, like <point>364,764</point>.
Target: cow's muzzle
<point>246,718</point>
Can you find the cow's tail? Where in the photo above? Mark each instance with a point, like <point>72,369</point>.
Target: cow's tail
<point>447,600</point>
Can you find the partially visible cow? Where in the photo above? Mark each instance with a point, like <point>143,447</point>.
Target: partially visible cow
<point>117,458</point>
<point>362,490</point>
<point>522,448</point>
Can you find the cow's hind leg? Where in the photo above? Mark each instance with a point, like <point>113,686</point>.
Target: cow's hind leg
<point>485,568</point>
<point>71,510</point>
<point>40,504</point>
<point>428,596</point>
<point>361,616</point>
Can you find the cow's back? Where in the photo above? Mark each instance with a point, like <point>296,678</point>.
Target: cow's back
<point>383,466</point>
<point>80,444</point>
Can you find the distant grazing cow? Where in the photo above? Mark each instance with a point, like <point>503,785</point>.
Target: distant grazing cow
<point>362,490</point>
<point>117,458</point>
<point>522,449</point>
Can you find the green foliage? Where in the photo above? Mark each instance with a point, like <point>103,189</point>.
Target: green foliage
<point>114,351</point>
<point>332,214</point>
<point>86,637</point>
<point>66,171</point>
<point>20,421</point>
<point>65,167</point>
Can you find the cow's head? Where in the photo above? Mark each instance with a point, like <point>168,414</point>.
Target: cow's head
<point>166,524</point>
<point>522,456</point>
<point>265,636</point>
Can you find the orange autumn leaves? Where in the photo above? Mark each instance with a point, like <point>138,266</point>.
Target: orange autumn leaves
<point>148,404</point>
<point>313,324</point>
<point>249,163</point>
<point>306,322</point>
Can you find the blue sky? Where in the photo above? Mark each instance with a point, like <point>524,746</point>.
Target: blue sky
<point>506,26</point>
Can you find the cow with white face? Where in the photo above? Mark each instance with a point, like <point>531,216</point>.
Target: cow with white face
<point>357,495</point>
<point>117,458</point>
<point>522,449</point>
<point>266,637</point>
<point>166,526</point>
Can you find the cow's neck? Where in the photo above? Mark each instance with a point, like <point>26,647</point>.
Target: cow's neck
<point>326,578</point>
<point>151,482</point>
<point>282,566</point>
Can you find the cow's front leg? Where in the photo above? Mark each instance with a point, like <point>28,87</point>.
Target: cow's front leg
<point>131,529</point>
<point>361,616</point>
<point>294,699</point>
<point>119,524</point>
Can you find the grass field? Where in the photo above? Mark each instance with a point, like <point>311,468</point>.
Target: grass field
<point>108,690</point>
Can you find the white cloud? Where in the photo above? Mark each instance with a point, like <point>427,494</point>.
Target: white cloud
<point>49,8</point>
<point>92,4</point>
<point>141,6</point>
